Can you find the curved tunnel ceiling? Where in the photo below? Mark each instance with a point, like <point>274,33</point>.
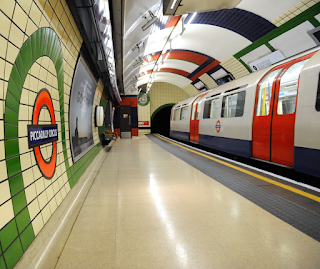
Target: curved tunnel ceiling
<point>200,46</point>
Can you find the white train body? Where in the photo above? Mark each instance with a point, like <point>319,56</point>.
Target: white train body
<point>272,114</point>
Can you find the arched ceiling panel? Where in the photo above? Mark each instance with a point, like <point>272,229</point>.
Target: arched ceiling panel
<point>174,79</point>
<point>213,41</point>
<point>245,23</point>
<point>175,64</point>
<point>157,41</point>
<point>180,64</point>
<point>270,9</point>
<point>167,70</point>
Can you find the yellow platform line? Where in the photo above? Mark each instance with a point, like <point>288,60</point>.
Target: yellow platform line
<point>292,189</point>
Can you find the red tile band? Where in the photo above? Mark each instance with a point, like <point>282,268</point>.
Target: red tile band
<point>173,21</point>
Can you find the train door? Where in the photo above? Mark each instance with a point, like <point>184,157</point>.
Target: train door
<point>261,129</point>
<point>284,113</point>
<point>194,120</point>
<point>274,118</point>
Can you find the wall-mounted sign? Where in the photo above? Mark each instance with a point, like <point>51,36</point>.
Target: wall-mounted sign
<point>141,123</point>
<point>42,134</point>
<point>266,61</point>
<point>39,134</point>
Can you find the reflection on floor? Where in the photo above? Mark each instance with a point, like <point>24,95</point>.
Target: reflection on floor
<point>149,209</point>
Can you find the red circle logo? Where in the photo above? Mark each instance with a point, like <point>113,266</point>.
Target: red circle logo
<point>47,168</point>
<point>218,126</point>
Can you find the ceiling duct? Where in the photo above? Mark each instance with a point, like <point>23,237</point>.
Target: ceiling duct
<point>92,20</point>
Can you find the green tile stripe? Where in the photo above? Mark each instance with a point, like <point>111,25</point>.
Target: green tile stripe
<point>314,22</point>
<point>78,168</point>
<point>18,234</point>
<point>302,17</point>
<point>158,109</point>
<point>244,64</point>
<point>270,47</point>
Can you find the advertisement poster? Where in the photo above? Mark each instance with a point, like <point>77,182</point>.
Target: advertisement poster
<point>80,114</point>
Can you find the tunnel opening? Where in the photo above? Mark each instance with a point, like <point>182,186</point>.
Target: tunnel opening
<point>160,121</point>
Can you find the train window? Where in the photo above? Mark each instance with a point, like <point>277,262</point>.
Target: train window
<point>288,89</point>
<point>176,115</point>
<point>211,109</point>
<point>198,110</point>
<point>184,113</point>
<point>193,110</point>
<point>264,93</point>
<point>318,96</point>
<point>233,105</point>
<point>206,109</point>
<point>214,113</point>
<point>194,107</point>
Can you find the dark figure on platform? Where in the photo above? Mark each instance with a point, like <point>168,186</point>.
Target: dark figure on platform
<point>76,134</point>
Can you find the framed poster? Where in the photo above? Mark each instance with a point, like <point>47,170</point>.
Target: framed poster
<point>80,111</point>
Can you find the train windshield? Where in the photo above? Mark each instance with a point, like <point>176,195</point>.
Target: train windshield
<point>264,93</point>
<point>288,89</point>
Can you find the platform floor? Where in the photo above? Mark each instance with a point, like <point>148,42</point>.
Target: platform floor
<point>149,209</point>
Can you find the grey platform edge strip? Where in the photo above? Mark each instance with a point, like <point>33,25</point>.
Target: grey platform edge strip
<point>298,217</point>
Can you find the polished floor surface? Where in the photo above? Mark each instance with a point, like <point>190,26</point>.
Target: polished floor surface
<point>149,209</point>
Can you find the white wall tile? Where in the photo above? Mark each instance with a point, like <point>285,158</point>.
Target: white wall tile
<point>6,213</point>
<point>37,224</point>
<point>46,213</point>
<point>4,191</point>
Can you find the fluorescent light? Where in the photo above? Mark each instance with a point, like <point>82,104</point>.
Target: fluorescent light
<point>173,4</point>
<point>194,14</point>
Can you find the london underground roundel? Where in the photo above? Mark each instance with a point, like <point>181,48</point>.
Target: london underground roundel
<point>40,134</point>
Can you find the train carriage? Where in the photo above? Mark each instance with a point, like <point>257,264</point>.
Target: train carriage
<point>272,115</point>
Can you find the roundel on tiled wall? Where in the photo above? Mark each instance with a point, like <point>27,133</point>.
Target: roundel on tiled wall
<point>34,98</point>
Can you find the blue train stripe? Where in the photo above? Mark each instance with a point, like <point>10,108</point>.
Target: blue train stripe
<point>185,136</point>
<point>307,161</point>
<point>230,145</point>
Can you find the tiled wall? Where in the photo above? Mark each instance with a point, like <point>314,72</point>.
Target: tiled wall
<point>190,90</point>
<point>209,81</point>
<point>235,67</point>
<point>144,114</point>
<point>39,48</point>
<point>294,11</point>
<point>162,93</point>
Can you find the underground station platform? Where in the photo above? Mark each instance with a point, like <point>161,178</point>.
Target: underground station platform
<point>156,203</point>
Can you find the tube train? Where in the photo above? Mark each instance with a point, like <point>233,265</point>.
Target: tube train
<point>272,115</point>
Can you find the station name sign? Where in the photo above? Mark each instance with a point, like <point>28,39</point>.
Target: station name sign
<point>42,134</point>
